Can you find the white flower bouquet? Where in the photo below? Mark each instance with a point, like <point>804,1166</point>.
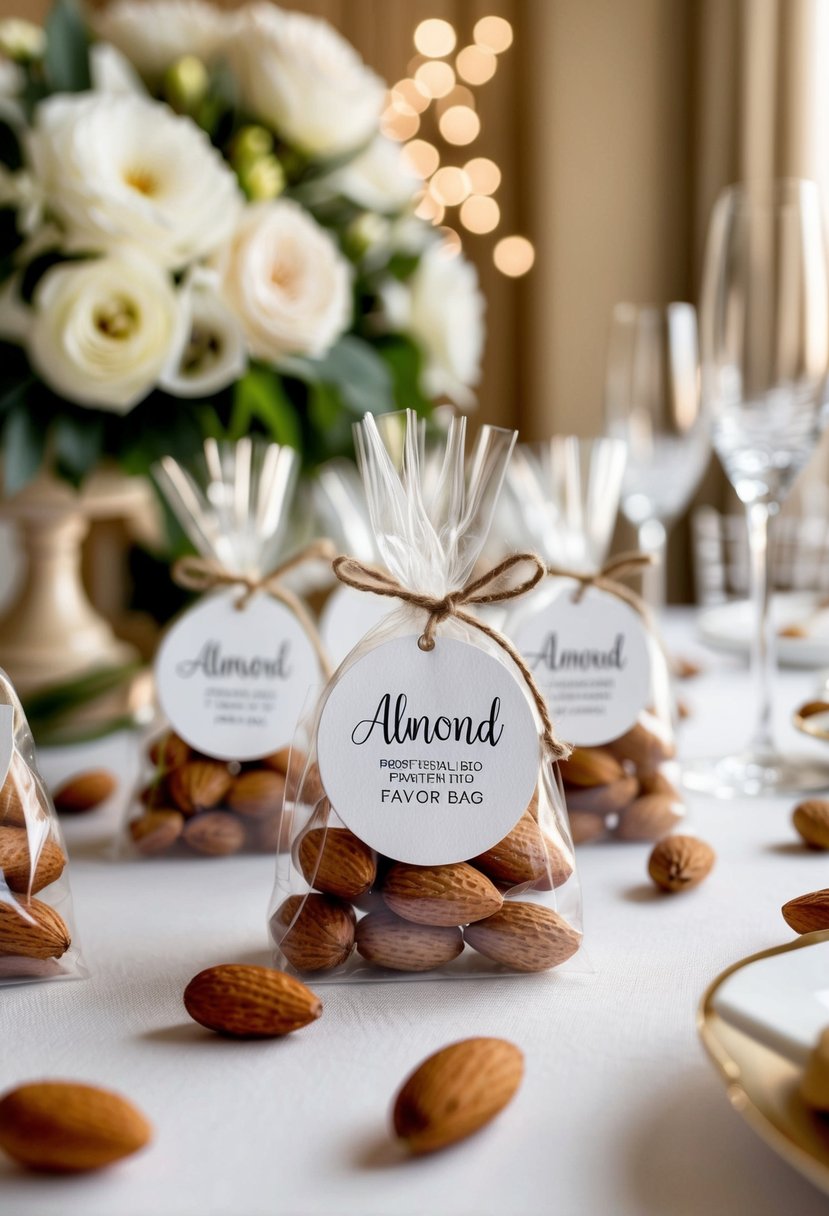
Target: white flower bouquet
<point>203,233</point>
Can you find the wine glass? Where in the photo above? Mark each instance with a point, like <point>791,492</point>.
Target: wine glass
<point>652,401</point>
<point>764,320</point>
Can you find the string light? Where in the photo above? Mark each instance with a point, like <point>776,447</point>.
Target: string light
<point>459,125</point>
<point>476,64</point>
<point>436,92</point>
<point>435,78</point>
<point>436,38</point>
<point>493,34</point>
<point>423,157</point>
<point>513,256</point>
<point>480,214</point>
<point>484,174</point>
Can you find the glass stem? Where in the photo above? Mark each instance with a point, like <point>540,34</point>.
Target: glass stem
<point>652,538</point>
<point>763,658</point>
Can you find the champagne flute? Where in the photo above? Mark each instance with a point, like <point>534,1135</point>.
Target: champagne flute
<point>652,402</point>
<point>764,321</point>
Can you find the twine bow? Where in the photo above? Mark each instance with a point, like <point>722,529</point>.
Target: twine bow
<point>606,579</point>
<point>207,573</point>
<point>483,590</point>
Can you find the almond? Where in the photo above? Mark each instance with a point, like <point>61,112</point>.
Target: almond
<point>170,751</point>
<point>334,861</point>
<point>66,1127</point>
<point>199,785</point>
<point>214,833</point>
<point>590,766</point>
<point>604,799</point>
<point>456,1092</point>
<point>658,783</point>
<point>526,937</point>
<point>520,857</point>
<point>586,826</point>
<point>85,791</point>
<point>559,865</point>
<point>678,863</point>
<point>280,761</point>
<point>247,1002</point>
<point>20,795</point>
<point>47,937</point>
<point>811,819</point>
<point>646,745</point>
<point>257,793</point>
<point>155,795</point>
<point>808,913</point>
<point>16,863</point>
<point>814,1087</point>
<point>440,895</point>
<point>386,940</point>
<point>310,788</point>
<point>649,817</point>
<point>156,831</point>
<point>273,834</point>
<point>320,931</point>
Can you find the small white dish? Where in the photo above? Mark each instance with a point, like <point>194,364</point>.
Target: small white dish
<point>730,628</point>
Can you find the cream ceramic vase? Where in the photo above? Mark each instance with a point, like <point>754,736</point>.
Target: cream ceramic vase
<point>51,632</point>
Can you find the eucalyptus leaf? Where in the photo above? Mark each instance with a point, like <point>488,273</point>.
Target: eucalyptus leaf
<point>360,374</point>
<point>78,443</point>
<point>261,396</point>
<point>24,445</point>
<point>67,49</point>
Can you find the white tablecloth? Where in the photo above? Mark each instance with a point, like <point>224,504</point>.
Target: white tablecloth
<point>620,1113</point>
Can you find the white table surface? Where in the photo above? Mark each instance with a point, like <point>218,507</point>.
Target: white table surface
<point>620,1113</point>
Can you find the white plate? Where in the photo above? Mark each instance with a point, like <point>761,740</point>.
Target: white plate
<point>758,1021</point>
<point>730,628</point>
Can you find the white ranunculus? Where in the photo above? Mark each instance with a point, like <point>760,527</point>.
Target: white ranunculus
<point>213,354</point>
<point>443,310</point>
<point>153,34</point>
<point>124,169</point>
<point>20,191</point>
<point>103,331</point>
<point>378,178</point>
<point>287,281</point>
<point>299,75</point>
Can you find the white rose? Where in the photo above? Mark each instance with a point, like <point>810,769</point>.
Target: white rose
<point>287,281</point>
<point>297,74</point>
<point>103,331</point>
<point>213,354</point>
<point>153,34</point>
<point>379,178</point>
<point>21,40</point>
<point>120,168</point>
<point>112,72</point>
<point>443,310</point>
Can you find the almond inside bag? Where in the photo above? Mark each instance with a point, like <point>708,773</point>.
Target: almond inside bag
<point>437,842</point>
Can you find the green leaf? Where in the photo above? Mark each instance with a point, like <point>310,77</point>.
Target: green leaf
<point>78,441</point>
<point>260,396</point>
<point>15,394</point>
<point>360,374</point>
<point>405,363</point>
<point>403,265</point>
<point>67,49</point>
<point>24,443</point>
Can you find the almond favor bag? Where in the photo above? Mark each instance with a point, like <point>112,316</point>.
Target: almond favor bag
<point>37,936</point>
<point>592,647</point>
<point>437,841</point>
<point>234,670</point>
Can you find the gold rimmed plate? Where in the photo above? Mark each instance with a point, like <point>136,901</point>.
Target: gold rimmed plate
<point>757,1022</point>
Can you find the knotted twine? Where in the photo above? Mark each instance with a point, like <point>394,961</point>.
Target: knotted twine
<point>606,580</point>
<point>440,608</point>
<point>207,573</point>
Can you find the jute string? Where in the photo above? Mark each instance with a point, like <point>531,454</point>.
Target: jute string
<point>206,574</point>
<point>483,590</point>
<point>606,580</point>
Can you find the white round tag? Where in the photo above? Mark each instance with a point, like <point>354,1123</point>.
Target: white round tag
<point>347,617</point>
<point>432,756</point>
<point>591,660</point>
<point>232,682</point>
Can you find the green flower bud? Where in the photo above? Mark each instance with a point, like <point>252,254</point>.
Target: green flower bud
<point>251,144</point>
<point>185,83</point>
<point>262,179</point>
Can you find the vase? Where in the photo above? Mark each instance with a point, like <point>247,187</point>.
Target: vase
<point>51,633</point>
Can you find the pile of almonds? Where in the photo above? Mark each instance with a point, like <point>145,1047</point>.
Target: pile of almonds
<point>214,808</point>
<point>621,789</point>
<point>417,918</point>
<point>32,934</point>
